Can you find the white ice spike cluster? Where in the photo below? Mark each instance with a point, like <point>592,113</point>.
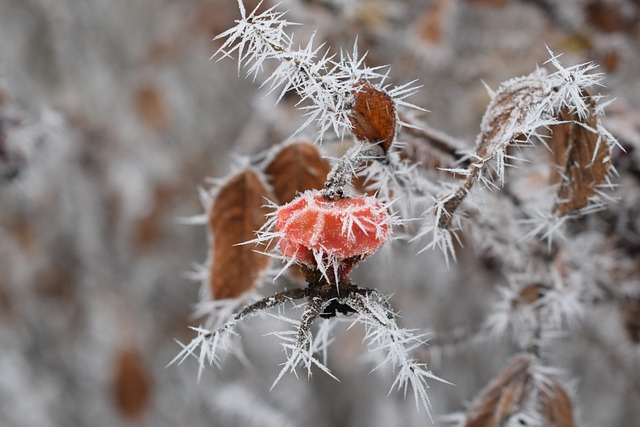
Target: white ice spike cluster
<point>393,345</point>
<point>327,81</point>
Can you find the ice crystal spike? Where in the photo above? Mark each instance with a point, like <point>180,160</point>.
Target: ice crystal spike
<point>327,85</point>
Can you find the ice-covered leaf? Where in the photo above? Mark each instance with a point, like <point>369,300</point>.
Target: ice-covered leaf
<point>582,156</point>
<point>514,111</point>
<point>556,407</point>
<point>296,168</point>
<point>373,117</point>
<point>238,211</point>
<point>521,395</point>
<point>503,396</point>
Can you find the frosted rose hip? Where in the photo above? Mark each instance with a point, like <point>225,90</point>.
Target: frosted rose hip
<point>337,229</point>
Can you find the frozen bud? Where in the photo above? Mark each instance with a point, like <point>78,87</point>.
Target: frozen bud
<point>313,228</point>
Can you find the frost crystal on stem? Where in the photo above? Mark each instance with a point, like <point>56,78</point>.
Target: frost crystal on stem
<point>329,85</point>
<point>518,113</point>
<point>325,232</point>
<point>394,344</point>
<point>299,344</point>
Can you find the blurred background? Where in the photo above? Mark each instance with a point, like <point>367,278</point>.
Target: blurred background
<point>111,116</point>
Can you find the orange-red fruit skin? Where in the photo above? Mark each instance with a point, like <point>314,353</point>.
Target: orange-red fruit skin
<point>337,229</point>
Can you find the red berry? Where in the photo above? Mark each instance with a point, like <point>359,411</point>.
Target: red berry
<point>334,229</point>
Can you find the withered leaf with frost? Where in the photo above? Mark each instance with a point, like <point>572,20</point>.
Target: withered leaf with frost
<point>513,391</point>
<point>238,210</point>
<point>582,158</point>
<point>296,167</point>
<point>503,396</point>
<point>373,117</point>
<point>556,407</point>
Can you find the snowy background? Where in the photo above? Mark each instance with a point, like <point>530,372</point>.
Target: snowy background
<point>111,116</point>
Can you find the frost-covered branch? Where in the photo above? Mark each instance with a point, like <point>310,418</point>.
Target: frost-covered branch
<point>299,344</point>
<point>519,111</point>
<point>329,84</point>
<point>211,342</point>
<point>394,344</point>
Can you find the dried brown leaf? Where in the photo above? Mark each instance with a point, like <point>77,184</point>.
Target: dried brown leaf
<point>6,301</point>
<point>555,406</point>
<point>488,2</point>
<point>607,17</point>
<point>57,282</point>
<point>430,24</point>
<point>11,159</point>
<point>508,111</point>
<point>631,318</point>
<point>503,396</point>
<point>131,385</point>
<point>295,168</point>
<point>583,162</point>
<point>373,117</point>
<point>151,107</point>
<point>512,391</point>
<point>237,212</point>
<point>149,229</point>
<point>25,234</point>
<point>610,60</point>
<point>528,295</point>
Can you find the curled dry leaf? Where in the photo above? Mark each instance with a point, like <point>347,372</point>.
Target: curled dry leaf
<point>508,114</point>
<point>607,17</point>
<point>151,107</point>
<point>430,25</point>
<point>131,385</point>
<point>238,211</point>
<point>12,159</point>
<point>583,161</point>
<point>509,119</point>
<point>556,407</point>
<point>489,2</point>
<point>631,318</point>
<point>296,168</point>
<point>528,295</point>
<point>514,391</point>
<point>503,396</point>
<point>373,117</point>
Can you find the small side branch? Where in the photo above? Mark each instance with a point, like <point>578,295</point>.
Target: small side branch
<point>269,302</point>
<point>343,171</point>
<point>211,342</point>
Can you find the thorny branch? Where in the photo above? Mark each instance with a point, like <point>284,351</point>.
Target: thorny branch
<point>523,111</point>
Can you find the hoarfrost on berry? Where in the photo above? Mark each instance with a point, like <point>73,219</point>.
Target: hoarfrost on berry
<point>333,228</point>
